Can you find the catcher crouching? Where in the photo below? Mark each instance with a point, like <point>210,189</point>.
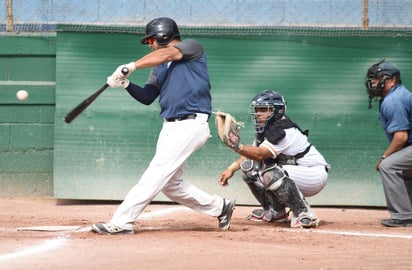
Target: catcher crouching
<point>281,167</point>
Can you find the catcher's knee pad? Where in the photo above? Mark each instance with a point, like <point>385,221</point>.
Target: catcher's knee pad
<point>250,170</point>
<point>273,177</point>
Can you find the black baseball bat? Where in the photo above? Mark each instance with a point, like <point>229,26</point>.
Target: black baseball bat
<point>85,103</point>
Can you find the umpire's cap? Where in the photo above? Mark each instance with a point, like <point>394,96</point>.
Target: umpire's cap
<point>383,68</point>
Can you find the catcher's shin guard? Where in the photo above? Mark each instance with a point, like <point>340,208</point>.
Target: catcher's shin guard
<point>285,190</point>
<point>250,174</point>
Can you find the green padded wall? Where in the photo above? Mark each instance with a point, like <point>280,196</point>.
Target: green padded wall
<point>26,127</point>
<point>104,152</point>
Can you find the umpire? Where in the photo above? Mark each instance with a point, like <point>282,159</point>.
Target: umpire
<point>383,80</point>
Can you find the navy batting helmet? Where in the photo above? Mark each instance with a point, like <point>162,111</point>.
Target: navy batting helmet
<point>163,29</point>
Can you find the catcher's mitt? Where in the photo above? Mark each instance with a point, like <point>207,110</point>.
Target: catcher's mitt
<point>228,129</point>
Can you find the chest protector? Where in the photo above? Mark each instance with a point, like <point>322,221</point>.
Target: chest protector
<point>274,132</point>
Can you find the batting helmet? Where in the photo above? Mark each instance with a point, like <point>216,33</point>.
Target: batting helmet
<point>162,29</point>
<point>267,99</point>
<point>382,71</point>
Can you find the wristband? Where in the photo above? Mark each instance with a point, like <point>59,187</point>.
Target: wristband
<point>383,157</point>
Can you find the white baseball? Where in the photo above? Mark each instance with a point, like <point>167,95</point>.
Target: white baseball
<point>22,95</point>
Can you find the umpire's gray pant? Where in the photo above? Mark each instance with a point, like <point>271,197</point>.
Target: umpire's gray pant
<point>396,174</point>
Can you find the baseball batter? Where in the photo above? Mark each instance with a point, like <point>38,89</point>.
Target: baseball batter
<point>180,78</point>
<point>281,167</point>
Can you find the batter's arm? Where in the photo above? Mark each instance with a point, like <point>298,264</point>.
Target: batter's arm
<point>158,57</point>
<point>145,95</point>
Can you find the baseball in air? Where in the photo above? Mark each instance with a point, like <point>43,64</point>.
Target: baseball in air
<point>22,95</point>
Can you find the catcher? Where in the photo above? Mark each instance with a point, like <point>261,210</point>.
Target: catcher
<point>281,167</point>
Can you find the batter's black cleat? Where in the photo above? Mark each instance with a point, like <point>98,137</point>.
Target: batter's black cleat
<point>226,216</point>
<point>109,228</point>
<point>396,223</point>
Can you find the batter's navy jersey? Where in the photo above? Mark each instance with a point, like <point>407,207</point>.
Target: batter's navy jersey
<point>184,85</point>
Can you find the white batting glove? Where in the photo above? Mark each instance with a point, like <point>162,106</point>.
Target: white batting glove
<point>118,72</point>
<point>114,82</point>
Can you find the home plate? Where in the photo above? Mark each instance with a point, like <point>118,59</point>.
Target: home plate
<point>56,228</point>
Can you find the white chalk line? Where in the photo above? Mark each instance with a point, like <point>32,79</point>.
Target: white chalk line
<point>59,241</point>
<point>43,247</point>
<point>349,233</point>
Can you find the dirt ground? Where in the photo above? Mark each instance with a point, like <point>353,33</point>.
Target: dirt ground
<point>170,237</point>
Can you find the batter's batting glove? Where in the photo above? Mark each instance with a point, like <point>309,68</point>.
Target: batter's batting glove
<point>114,82</point>
<point>118,72</point>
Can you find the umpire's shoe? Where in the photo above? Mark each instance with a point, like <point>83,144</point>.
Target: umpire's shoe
<point>109,228</point>
<point>396,223</point>
<point>226,216</point>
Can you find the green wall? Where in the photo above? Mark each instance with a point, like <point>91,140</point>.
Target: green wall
<point>27,127</point>
<point>104,152</point>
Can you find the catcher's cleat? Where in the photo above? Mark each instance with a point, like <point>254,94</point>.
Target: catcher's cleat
<point>226,216</point>
<point>304,221</point>
<point>268,216</point>
<point>109,228</point>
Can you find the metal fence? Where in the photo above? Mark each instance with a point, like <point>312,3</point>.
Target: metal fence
<point>262,16</point>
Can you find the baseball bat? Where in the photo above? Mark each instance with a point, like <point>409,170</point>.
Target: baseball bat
<point>85,103</point>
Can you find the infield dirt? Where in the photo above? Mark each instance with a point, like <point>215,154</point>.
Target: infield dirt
<point>180,238</point>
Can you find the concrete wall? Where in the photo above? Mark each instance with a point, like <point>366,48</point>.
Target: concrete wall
<point>27,127</point>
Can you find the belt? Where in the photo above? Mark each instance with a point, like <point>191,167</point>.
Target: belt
<point>181,118</point>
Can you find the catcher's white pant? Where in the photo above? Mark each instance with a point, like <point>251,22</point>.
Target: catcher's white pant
<point>310,180</point>
<point>176,143</point>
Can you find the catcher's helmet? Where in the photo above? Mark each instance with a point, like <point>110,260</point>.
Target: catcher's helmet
<point>382,71</point>
<point>163,29</point>
<point>267,99</point>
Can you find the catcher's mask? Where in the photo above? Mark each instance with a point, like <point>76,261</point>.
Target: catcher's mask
<point>163,29</point>
<point>267,106</point>
<point>376,77</point>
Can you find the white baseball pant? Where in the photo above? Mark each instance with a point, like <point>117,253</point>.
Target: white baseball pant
<point>176,143</point>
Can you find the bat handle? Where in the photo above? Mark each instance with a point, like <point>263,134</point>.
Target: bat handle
<point>125,71</point>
